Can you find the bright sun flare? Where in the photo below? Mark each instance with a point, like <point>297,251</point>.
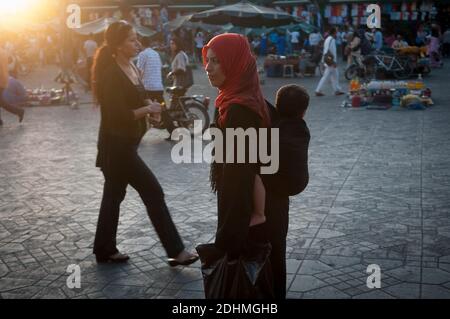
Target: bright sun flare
<point>15,6</point>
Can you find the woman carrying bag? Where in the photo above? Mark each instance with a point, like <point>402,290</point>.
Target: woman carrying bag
<point>331,70</point>
<point>231,67</point>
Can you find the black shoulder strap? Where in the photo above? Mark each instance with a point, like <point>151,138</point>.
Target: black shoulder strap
<point>272,113</point>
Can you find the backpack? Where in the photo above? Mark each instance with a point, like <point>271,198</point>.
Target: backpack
<point>292,176</point>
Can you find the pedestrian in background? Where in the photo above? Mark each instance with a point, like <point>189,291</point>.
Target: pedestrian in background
<point>15,94</point>
<point>446,43</point>
<point>331,69</point>
<point>434,49</point>
<point>179,64</point>
<point>354,52</point>
<point>90,47</point>
<point>295,41</point>
<point>314,39</point>
<point>149,63</point>
<point>199,43</point>
<point>4,79</point>
<point>421,36</point>
<point>377,39</point>
<point>263,45</point>
<point>344,35</point>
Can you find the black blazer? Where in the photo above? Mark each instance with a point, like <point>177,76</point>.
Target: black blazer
<point>119,133</point>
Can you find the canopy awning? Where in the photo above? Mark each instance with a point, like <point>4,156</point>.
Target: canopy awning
<point>100,25</point>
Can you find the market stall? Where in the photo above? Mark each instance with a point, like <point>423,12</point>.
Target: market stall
<point>278,66</point>
<point>383,95</point>
<point>100,25</point>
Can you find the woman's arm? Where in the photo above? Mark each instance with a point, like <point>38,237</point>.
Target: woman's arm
<point>153,107</point>
<point>116,103</point>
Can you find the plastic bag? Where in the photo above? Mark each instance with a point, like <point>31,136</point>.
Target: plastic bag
<point>247,277</point>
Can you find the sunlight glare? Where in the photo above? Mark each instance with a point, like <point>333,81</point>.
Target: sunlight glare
<point>8,7</point>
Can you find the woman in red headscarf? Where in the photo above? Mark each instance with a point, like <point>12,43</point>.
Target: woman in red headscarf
<point>231,68</point>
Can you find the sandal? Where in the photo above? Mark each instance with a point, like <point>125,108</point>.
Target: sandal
<point>173,262</point>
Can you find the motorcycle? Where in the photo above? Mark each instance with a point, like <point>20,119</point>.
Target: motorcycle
<point>370,66</point>
<point>183,111</point>
<point>363,67</point>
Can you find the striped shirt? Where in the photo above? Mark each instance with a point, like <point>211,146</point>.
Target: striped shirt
<point>149,62</point>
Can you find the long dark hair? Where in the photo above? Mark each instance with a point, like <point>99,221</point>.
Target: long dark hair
<point>178,44</point>
<point>115,35</point>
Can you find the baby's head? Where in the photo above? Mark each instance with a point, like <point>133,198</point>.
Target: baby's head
<point>292,101</point>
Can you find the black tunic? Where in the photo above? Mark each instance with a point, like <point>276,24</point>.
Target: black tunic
<point>234,185</point>
<point>119,133</point>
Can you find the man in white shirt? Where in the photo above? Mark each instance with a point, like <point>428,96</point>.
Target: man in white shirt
<point>314,39</point>
<point>331,71</point>
<point>295,40</point>
<point>149,63</point>
<point>90,47</point>
<point>199,43</point>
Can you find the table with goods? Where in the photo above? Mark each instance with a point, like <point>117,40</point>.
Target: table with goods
<point>384,95</point>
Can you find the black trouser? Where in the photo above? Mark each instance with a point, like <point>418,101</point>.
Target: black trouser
<point>140,177</point>
<point>277,214</point>
<point>10,108</point>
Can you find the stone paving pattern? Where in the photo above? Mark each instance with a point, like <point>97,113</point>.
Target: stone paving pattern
<point>379,193</point>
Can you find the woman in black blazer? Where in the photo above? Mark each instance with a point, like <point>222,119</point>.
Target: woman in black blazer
<point>121,95</point>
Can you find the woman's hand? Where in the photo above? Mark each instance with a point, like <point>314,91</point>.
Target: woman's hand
<point>153,107</point>
<point>169,75</point>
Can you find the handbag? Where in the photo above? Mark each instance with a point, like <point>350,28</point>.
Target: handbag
<point>328,57</point>
<point>247,277</point>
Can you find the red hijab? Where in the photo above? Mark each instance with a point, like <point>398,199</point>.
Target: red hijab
<point>241,85</point>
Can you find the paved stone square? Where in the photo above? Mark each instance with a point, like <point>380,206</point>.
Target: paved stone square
<point>379,193</point>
